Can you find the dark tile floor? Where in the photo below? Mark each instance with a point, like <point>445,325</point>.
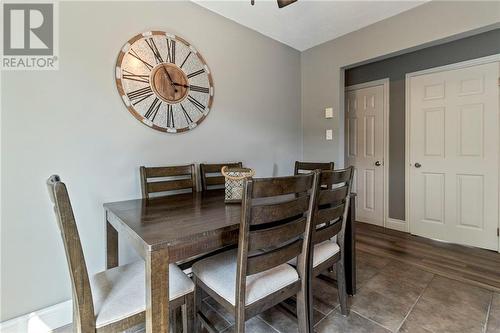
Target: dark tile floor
<point>392,297</point>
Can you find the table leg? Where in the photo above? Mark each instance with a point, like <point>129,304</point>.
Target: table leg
<point>111,246</point>
<point>157,294</point>
<point>350,248</point>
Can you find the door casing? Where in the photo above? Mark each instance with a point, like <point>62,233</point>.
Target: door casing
<point>458,65</point>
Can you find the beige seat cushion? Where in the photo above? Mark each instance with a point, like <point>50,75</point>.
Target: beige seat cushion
<point>322,252</point>
<point>120,292</point>
<point>219,274</point>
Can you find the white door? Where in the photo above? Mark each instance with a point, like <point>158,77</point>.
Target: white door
<point>365,150</point>
<point>454,152</point>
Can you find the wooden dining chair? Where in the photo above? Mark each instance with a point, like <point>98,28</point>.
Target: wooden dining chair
<point>115,299</point>
<point>211,177</point>
<point>330,220</point>
<point>275,227</point>
<point>304,167</point>
<point>167,179</point>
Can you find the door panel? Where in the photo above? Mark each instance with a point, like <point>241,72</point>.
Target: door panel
<point>454,139</point>
<point>365,146</point>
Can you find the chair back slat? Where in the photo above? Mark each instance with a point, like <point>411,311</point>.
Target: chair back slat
<point>326,232</point>
<point>183,177</point>
<point>333,205</point>
<point>275,236</point>
<point>304,167</point>
<point>326,215</point>
<point>339,176</point>
<point>281,186</point>
<point>333,196</point>
<point>84,318</point>
<point>169,185</point>
<point>261,214</point>
<point>211,177</point>
<point>268,260</point>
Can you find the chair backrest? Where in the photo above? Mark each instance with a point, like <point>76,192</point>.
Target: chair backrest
<point>83,307</point>
<point>167,179</point>
<point>333,206</point>
<point>304,167</point>
<point>276,222</point>
<point>211,177</point>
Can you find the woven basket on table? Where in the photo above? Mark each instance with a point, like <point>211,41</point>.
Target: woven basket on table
<point>234,182</point>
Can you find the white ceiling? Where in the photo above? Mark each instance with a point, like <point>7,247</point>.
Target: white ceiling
<point>307,23</point>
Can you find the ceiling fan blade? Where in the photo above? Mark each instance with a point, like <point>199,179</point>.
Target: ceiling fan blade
<point>283,3</point>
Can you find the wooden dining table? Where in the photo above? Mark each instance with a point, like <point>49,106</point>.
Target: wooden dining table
<point>174,228</point>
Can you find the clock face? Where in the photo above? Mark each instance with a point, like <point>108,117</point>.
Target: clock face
<point>164,82</point>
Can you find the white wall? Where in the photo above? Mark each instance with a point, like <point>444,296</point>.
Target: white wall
<point>72,122</point>
<point>322,80</point>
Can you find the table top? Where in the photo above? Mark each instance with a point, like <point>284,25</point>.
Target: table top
<point>160,221</point>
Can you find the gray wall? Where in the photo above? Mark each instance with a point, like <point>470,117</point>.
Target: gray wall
<point>322,66</point>
<point>73,122</point>
<point>395,68</point>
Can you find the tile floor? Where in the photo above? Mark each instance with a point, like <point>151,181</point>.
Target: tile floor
<point>392,297</point>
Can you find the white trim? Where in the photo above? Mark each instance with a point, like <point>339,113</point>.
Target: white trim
<point>396,224</point>
<point>458,65</point>
<point>40,321</point>
<point>385,83</point>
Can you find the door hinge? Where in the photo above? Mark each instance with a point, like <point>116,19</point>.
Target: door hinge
<point>498,232</point>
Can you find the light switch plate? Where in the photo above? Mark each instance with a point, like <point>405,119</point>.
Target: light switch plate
<point>329,134</point>
<point>329,113</point>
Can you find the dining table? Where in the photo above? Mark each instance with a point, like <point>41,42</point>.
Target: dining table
<point>178,227</point>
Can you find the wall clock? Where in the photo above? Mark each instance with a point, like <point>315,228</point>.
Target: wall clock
<point>164,82</point>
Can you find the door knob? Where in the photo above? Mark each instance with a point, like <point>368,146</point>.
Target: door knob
<point>378,163</point>
<point>418,165</point>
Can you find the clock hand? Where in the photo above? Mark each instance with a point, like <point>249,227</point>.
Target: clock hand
<point>169,78</point>
<point>181,85</point>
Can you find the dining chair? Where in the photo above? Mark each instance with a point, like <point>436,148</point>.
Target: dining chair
<point>211,177</point>
<point>304,167</point>
<point>330,219</point>
<point>275,227</point>
<point>167,179</point>
<point>115,299</point>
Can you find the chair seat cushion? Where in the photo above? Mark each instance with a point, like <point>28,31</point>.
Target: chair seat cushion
<point>120,292</point>
<point>219,274</point>
<point>322,252</point>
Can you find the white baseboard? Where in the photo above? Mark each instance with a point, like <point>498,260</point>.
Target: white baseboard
<point>41,321</point>
<point>396,224</point>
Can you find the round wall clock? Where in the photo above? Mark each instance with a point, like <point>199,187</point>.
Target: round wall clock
<point>164,81</point>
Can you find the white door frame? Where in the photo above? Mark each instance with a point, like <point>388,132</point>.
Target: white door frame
<point>458,65</point>
<point>384,82</point>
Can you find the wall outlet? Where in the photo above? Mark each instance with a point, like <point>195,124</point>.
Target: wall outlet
<point>329,113</point>
<point>329,134</point>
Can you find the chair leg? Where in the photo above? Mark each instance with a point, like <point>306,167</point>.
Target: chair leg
<point>197,306</point>
<point>239,326</point>
<point>188,314</point>
<point>304,309</point>
<point>175,314</point>
<point>341,286</point>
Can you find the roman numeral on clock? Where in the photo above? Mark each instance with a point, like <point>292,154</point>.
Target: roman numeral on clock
<point>196,73</point>
<point>139,95</point>
<point>196,103</point>
<point>152,45</point>
<point>135,77</point>
<point>185,59</point>
<point>199,89</point>
<point>170,116</point>
<point>186,115</point>
<point>135,55</point>
<point>153,109</point>
<point>171,51</point>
